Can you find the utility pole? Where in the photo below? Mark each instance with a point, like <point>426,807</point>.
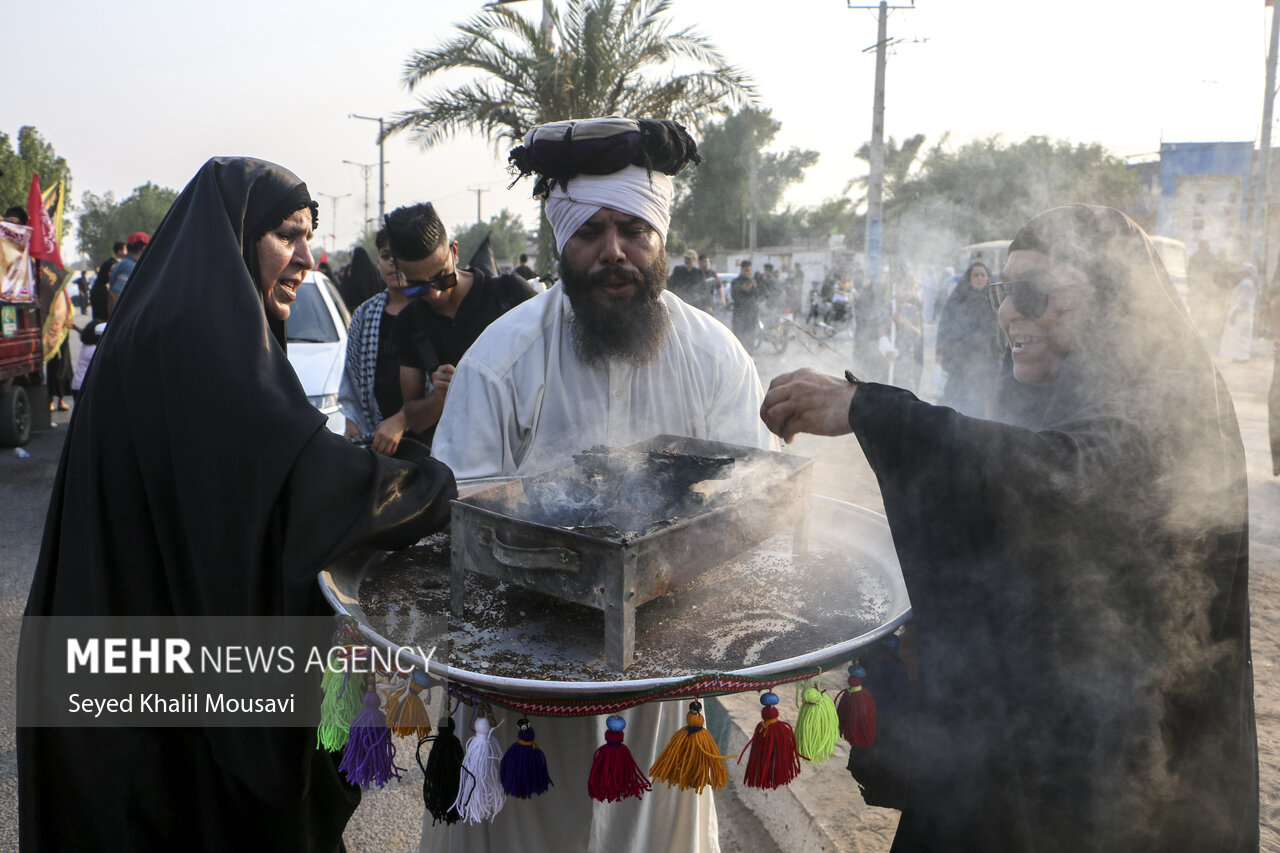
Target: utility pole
<point>365,168</point>
<point>477,191</point>
<point>1259,252</point>
<point>333,215</point>
<point>875,180</point>
<point>382,162</point>
<point>752,200</point>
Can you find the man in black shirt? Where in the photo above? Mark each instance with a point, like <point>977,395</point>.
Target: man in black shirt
<point>451,306</point>
<point>102,281</point>
<point>524,270</point>
<point>689,283</point>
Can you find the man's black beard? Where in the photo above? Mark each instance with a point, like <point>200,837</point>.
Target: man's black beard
<point>633,330</point>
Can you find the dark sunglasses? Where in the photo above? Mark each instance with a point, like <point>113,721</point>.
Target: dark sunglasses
<point>414,287</point>
<point>1030,297</point>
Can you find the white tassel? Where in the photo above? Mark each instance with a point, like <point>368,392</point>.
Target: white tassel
<point>480,796</point>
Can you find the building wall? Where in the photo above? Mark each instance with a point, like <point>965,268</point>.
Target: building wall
<point>1204,193</point>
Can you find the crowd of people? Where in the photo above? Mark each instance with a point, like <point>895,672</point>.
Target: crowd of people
<point>1070,518</point>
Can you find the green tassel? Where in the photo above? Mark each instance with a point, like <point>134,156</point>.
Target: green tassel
<point>343,699</point>
<point>817,726</point>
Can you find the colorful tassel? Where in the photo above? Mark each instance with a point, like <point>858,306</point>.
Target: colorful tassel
<point>370,754</point>
<point>442,774</point>
<point>524,766</point>
<point>342,702</point>
<point>817,726</point>
<point>480,794</point>
<point>691,758</point>
<point>856,710</point>
<point>774,760</point>
<point>406,712</point>
<point>614,772</point>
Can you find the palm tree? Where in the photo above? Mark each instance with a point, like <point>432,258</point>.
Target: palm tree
<point>897,164</point>
<point>608,57</point>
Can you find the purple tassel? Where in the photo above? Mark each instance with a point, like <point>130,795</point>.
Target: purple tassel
<point>370,754</point>
<point>524,766</point>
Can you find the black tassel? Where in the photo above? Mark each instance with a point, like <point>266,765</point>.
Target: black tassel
<point>442,774</point>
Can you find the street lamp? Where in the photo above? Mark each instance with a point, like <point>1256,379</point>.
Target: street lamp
<point>333,215</point>
<point>364,172</point>
<point>382,162</point>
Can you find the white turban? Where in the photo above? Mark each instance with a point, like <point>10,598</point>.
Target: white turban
<point>634,190</point>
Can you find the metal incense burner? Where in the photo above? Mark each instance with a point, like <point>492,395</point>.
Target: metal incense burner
<point>620,527</point>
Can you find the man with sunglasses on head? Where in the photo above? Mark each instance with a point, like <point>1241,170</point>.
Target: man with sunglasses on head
<point>450,306</point>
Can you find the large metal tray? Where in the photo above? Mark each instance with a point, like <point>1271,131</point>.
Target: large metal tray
<point>860,533</point>
<point>512,531</point>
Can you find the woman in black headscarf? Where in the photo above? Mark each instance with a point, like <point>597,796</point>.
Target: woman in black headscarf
<point>969,345</point>
<point>1078,574</point>
<point>197,480</point>
<point>361,281</point>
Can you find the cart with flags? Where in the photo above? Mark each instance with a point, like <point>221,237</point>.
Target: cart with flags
<point>35,310</point>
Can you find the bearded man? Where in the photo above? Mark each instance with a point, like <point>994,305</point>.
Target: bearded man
<point>607,356</point>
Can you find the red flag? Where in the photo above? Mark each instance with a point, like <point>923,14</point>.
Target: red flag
<point>44,246</point>
<point>44,241</point>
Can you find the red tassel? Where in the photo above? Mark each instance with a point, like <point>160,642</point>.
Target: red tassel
<point>774,759</point>
<point>856,710</point>
<point>615,775</point>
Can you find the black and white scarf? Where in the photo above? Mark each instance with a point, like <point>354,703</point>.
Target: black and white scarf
<point>362,363</point>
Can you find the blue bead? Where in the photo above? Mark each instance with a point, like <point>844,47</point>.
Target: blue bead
<point>769,698</point>
<point>891,642</point>
<point>616,723</point>
<point>857,672</point>
<point>420,678</point>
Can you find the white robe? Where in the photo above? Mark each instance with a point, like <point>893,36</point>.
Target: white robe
<point>1237,331</point>
<point>520,402</point>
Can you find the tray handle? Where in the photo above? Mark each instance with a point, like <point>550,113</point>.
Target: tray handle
<point>548,559</point>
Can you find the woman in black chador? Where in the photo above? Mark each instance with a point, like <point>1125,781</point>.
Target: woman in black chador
<point>1078,573</point>
<point>197,480</point>
<point>969,345</point>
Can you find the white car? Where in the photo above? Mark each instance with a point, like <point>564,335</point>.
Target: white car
<point>317,330</point>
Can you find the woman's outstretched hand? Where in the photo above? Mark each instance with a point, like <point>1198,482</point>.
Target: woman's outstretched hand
<point>807,400</point>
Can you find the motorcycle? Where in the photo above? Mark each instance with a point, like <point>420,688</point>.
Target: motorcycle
<point>777,332</point>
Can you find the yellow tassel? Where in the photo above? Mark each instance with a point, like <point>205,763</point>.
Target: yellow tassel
<point>406,712</point>
<point>691,759</point>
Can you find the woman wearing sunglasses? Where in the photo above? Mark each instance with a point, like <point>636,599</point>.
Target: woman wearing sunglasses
<point>1078,570</point>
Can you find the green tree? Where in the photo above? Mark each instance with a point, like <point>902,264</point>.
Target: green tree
<point>811,225</point>
<point>606,57</point>
<point>33,155</point>
<point>987,189</point>
<point>898,160</point>
<point>506,237</point>
<point>714,198</point>
<point>102,221</point>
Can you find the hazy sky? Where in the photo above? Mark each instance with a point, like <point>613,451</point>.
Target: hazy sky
<point>147,91</point>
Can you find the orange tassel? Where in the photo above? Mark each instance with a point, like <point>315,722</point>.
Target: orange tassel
<point>406,712</point>
<point>691,759</point>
